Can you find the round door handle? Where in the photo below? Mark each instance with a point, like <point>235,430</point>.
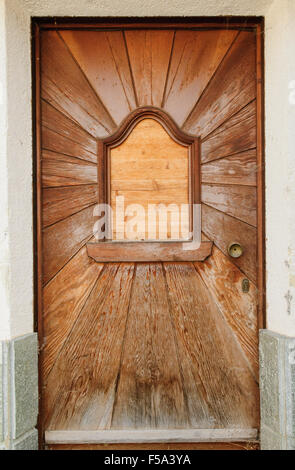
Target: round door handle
<point>235,250</point>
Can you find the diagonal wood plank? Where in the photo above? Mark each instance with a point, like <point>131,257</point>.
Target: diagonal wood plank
<point>236,135</point>
<point>83,380</point>
<point>237,201</point>
<point>150,390</point>
<point>232,88</point>
<point>65,238</point>
<point>54,142</point>
<point>240,169</point>
<point>63,299</point>
<point>59,203</point>
<point>149,52</point>
<point>65,86</point>
<point>106,51</point>
<point>196,56</point>
<point>224,282</point>
<point>63,170</point>
<point>223,229</point>
<point>214,366</point>
<point>60,124</point>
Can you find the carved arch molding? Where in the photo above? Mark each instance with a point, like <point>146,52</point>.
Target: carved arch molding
<point>147,162</point>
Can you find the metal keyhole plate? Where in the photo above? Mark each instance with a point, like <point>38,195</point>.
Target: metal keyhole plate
<point>235,250</point>
<point>245,285</point>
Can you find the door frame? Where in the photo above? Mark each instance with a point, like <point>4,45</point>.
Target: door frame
<point>254,24</point>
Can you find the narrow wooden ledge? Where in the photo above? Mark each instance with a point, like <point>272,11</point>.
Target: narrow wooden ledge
<point>112,252</point>
<point>157,435</point>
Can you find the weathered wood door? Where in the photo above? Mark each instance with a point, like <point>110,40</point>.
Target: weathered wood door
<point>129,349</point>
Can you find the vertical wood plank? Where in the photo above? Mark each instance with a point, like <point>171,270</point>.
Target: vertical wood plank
<point>260,174</point>
<point>150,390</point>
<point>224,282</point>
<point>149,53</point>
<point>220,387</point>
<point>63,300</point>
<point>37,201</point>
<point>82,384</point>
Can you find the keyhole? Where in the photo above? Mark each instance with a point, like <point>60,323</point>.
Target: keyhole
<point>245,285</point>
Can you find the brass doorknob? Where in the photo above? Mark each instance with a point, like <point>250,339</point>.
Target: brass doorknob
<point>235,250</point>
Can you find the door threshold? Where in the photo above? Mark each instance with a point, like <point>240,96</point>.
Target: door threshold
<point>150,436</point>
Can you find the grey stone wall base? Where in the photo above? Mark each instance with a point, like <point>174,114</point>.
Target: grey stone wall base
<point>27,442</point>
<point>19,393</point>
<point>277,391</point>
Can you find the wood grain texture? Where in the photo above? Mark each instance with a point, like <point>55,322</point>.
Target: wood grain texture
<point>150,391</point>
<point>62,240</point>
<point>60,203</point>
<point>150,435</point>
<point>220,388</point>
<point>37,201</point>
<point>55,142</point>
<point>189,360</point>
<point>82,384</point>
<point>56,121</point>
<point>63,170</point>
<point>63,299</point>
<point>232,88</point>
<point>224,229</point>
<point>237,201</point>
<point>224,282</point>
<point>250,445</point>
<point>196,56</point>
<point>148,252</point>
<point>149,52</point>
<point>150,154</point>
<point>65,86</point>
<point>240,169</point>
<point>222,22</point>
<point>236,135</point>
<point>261,236</point>
<point>113,83</point>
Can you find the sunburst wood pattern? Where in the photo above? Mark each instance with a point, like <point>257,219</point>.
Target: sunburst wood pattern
<point>159,345</point>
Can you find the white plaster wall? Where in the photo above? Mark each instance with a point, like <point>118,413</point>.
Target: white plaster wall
<point>145,7</point>
<point>16,263</point>
<point>16,317</point>
<point>4,249</point>
<point>280,166</point>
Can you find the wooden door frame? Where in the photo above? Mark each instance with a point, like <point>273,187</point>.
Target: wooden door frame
<point>254,24</point>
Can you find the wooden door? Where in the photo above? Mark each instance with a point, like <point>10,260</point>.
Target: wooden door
<point>161,350</point>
